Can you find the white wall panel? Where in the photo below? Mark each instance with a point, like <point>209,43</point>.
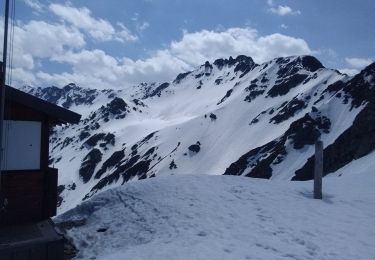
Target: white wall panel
<point>22,142</point>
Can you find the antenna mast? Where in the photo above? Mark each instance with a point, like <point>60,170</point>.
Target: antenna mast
<point>2,93</point>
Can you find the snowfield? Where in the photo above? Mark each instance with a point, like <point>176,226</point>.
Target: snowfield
<point>231,217</point>
<point>231,117</point>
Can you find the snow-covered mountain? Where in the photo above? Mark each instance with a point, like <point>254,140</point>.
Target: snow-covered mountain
<point>232,117</point>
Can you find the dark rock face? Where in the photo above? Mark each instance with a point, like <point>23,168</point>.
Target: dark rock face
<point>207,68</point>
<point>67,103</point>
<point>69,95</point>
<point>106,138</point>
<point>256,119</point>
<point>158,90</point>
<point>181,77</point>
<point>283,86</point>
<point>172,165</point>
<point>218,81</point>
<point>213,116</point>
<point>139,103</point>
<point>112,161</point>
<point>115,176</point>
<point>52,94</point>
<point>227,95</point>
<point>306,130</point>
<point>83,135</point>
<point>146,139</point>
<point>254,91</point>
<point>359,139</point>
<point>127,167</point>
<point>139,169</point>
<point>335,87</point>
<point>195,148</point>
<point>72,186</point>
<point>362,87</point>
<point>290,66</point>
<point>199,75</point>
<point>310,63</point>
<point>264,79</point>
<point>220,63</point>
<point>286,67</point>
<point>356,142</point>
<point>60,190</point>
<point>289,110</point>
<point>116,109</point>
<point>289,75</point>
<point>89,164</point>
<point>314,76</point>
<point>257,162</point>
<point>67,141</point>
<point>117,106</point>
<point>244,64</point>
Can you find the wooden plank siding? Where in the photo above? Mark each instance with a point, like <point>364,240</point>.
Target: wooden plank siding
<point>31,195</point>
<point>50,193</point>
<point>24,191</point>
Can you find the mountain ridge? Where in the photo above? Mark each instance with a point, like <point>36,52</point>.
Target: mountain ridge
<point>243,118</point>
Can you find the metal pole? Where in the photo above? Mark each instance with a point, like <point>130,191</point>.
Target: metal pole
<point>2,92</point>
<point>318,170</point>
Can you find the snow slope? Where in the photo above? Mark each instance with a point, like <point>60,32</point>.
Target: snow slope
<point>228,217</point>
<point>230,117</point>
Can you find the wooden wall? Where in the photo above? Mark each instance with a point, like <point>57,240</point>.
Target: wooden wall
<point>31,195</point>
<point>24,192</point>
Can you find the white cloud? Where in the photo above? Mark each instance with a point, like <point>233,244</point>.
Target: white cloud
<point>284,26</point>
<point>31,42</point>
<point>284,10</point>
<point>350,72</point>
<point>281,10</point>
<point>358,63</point>
<point>51,40</point>
<point>96,68</point>
<point>22,76</point>
<point>195,48</point>
<point>97,28</point>
<point>143,26</point>
<point>139,25</point>
<point>125,34</point>
<point>35,5</point>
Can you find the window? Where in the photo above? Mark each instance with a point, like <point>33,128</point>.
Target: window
<point>22,143</point>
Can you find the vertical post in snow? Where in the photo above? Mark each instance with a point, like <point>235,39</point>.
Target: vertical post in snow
<point>318,170</point>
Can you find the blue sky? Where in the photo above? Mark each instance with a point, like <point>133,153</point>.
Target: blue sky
<point>113,43</point>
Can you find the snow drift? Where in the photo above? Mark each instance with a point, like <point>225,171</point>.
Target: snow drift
<point>227,217</point>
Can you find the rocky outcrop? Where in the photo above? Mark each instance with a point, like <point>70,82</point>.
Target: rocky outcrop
<point>258,162</point>
<point>89,164</point>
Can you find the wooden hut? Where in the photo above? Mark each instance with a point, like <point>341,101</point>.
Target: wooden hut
<point>28,185</point>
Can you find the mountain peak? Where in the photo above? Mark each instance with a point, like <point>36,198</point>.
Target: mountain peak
<point>307,62</point>
<point>311,63</point>
<point>370,69</point>
<point>70,86</point>
<point>241,59</point>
